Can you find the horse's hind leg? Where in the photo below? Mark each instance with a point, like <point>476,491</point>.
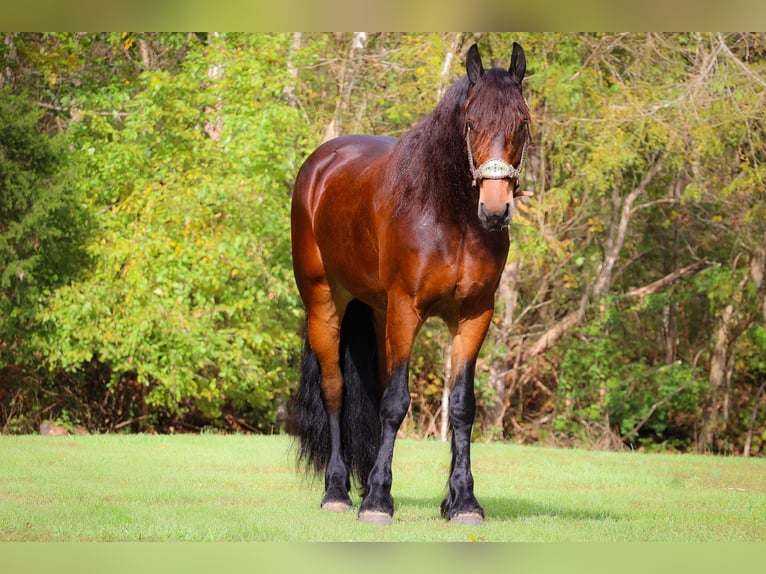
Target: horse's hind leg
<point>324,338</point>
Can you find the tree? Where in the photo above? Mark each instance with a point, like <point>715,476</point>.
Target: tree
<point>190,297</point>
<point>636,135</point>
<point>42,225</point>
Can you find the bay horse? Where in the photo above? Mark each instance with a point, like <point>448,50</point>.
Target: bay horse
<point>386,233</point>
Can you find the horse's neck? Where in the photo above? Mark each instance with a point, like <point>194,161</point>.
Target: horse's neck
<point>432,163</point>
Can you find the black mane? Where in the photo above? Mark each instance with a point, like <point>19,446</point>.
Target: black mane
<point>429,164</point>
<point>431,159</point>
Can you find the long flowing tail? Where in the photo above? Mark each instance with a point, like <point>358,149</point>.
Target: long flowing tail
<point>360,423</point>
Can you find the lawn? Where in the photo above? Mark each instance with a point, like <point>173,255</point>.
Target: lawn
<point>246,488</point>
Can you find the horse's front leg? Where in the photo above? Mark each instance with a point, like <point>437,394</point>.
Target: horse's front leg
<point>401,329</point>
<point>460,505</point>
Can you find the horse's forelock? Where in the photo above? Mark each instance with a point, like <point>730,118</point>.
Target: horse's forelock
<point>495,105</point>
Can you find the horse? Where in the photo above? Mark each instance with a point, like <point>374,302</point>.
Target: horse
<point>386,233</point>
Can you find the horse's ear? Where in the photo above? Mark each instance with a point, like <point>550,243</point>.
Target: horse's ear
<point>473,64</point>
<point>518,63</point>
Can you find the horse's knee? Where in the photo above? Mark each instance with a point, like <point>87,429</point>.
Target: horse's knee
<point>396,399</point>
<point>462,409</point>
<point>462,403</point>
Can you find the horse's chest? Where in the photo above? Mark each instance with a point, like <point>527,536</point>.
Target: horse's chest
<point>469,282</point>
<point>475,276</point>
<point>470,272</point>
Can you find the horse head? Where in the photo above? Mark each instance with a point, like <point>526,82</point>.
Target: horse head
<point>496,127</point>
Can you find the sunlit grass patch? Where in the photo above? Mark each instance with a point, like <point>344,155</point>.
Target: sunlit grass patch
<point>247,488</point>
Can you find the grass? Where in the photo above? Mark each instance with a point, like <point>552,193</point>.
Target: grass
<point>246,488</point>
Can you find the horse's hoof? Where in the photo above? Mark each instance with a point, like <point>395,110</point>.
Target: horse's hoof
<point>468,519</point>
<point>336,506</point>
<point>375,517</point>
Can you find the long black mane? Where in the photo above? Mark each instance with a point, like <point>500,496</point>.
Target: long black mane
<point>430,162</point>
<point>431,159</point>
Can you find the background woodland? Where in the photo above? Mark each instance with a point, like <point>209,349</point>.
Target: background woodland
<point>145,274</point>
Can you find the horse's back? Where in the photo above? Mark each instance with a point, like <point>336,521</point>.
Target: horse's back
<point>339,163</point>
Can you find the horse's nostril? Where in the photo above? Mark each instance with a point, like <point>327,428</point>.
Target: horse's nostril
<point>495,216</point>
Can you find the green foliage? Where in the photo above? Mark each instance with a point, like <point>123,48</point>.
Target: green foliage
<point>603,385</point>
<point>191,291</point>
<point>42,223</point>
<point>755,354</point>
<point>145,268</point>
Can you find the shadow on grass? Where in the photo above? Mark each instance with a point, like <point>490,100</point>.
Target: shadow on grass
<point>515,508</point>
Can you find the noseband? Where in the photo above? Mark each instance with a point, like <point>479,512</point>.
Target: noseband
<point>494,168</point>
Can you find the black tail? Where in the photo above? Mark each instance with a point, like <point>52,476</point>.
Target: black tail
<point>360,423</point>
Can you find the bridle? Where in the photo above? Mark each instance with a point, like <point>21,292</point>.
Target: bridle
<point>494,168</point>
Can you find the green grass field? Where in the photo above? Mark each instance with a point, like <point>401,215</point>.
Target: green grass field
<point>246,488</point>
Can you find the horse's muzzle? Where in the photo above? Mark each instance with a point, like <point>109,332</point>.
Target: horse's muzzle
<point>495,219</point>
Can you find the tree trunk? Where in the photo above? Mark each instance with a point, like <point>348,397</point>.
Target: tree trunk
<point>753,416</point>
<point>498,370</point>
<point>444,78</point>
<point>146,54</point>
<point>346,80</point>
<point>722,360</point>
<point>443,82</point>
<point>11,59</point>
<point>669,311</point>
<point>615,242</point>
<point>214,123</point>
<point>444,427</point>
<point>716,379</point>
<point>292,71</point>
<point>757,271</point>
<point>619,229</point>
